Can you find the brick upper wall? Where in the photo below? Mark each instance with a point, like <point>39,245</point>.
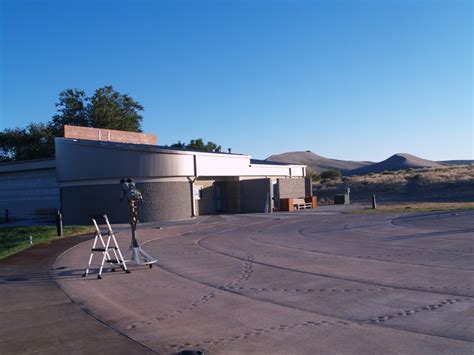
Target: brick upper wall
<point>108,135</point>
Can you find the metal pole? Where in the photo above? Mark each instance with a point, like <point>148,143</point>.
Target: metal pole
<point>374,202</point>
<point>133,223</point>
<point>59,224</point>
<point>7,215</point>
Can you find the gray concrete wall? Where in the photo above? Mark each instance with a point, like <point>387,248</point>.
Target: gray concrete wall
<point>29,191</point>
<point>291,188</point>
<point>161,201</point>
<point>255,195</point>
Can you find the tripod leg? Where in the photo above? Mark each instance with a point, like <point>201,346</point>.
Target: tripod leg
<point>147,256</point>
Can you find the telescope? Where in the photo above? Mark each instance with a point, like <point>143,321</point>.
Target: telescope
<point>130,190</point>
<point>139,256</point>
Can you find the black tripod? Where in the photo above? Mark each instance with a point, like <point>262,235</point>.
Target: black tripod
<point>139,256</point>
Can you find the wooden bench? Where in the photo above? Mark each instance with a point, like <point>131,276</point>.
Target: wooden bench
<point>301,204</point>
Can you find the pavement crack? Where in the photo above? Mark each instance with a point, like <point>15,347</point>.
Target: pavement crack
<point>246,272</point>
<point>410,312</point>
<point>309,290</point>
<point>257,332</point>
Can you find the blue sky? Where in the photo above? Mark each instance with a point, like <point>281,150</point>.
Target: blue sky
<point>357,80</point>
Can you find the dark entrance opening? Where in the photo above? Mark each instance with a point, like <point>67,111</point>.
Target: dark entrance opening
<point>220,196</point>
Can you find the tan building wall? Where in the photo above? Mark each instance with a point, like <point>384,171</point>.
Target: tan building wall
<point>205,205</point>
<point>234,195</point>
<point>230,200</point>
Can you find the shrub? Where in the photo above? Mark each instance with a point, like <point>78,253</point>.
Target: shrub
<point>315,177</point>
<point>331,174</point>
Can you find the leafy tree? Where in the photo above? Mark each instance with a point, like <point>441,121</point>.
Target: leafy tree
<point>198,144</point>
<point>36,141</point>
<point>111,109</point>
<point>315,177</point>
<point>107,108</point>
<point>72,110</point>
<point>179,145</point>
<point>212,147</point>
<point>331,174</point>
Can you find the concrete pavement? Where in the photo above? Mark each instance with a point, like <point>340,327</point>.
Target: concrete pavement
<point>299,283</point>
<point>36,316</point>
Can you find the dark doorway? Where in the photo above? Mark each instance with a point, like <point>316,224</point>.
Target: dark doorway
<point>219,196</point>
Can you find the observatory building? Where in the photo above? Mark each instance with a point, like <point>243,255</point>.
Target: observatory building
<point>84,180</point>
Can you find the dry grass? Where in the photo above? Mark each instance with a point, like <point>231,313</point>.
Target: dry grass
<point>450,183</point>
<point>425,176</point>
<point>418,207</point>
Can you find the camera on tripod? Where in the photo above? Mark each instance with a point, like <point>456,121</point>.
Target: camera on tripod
<point>139,256</point>
<point>130,191</point>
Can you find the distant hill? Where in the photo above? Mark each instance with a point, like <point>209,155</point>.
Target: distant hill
<point>400,161</point>
<point>456,162</point>
<point>317,162</point>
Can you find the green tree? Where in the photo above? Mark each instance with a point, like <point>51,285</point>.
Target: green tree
<point>72,110</point>
<point>198,144</point>
<point>107,108</point>
<point>331,174</point>
<point>315,177</point>
<point>179,145</point>
<point>36,141</point>
<point>212,147</point>
<point>110,109</point>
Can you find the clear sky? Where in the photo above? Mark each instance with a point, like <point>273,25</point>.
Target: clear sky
<point>357,80</point>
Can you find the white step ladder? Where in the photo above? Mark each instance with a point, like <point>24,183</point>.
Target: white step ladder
<point>107,247</point>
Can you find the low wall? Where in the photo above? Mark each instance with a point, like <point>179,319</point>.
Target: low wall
<point>29,190</point>
<point>161,201</point>
<point>291,188</point>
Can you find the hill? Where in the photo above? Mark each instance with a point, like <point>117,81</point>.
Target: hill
<point>317,162</point>
<point>400,161</point>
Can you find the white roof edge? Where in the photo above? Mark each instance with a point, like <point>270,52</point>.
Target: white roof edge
<point>27,165</point>
<point>147,148</point>
<point>279,166</point>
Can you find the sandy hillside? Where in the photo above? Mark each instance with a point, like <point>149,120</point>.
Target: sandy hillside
<point>400,161</point>
<point>317,162</point>
<point>448,183</point>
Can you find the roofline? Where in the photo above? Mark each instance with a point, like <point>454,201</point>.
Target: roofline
<point>25,165</point>
<point>147,148</point>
